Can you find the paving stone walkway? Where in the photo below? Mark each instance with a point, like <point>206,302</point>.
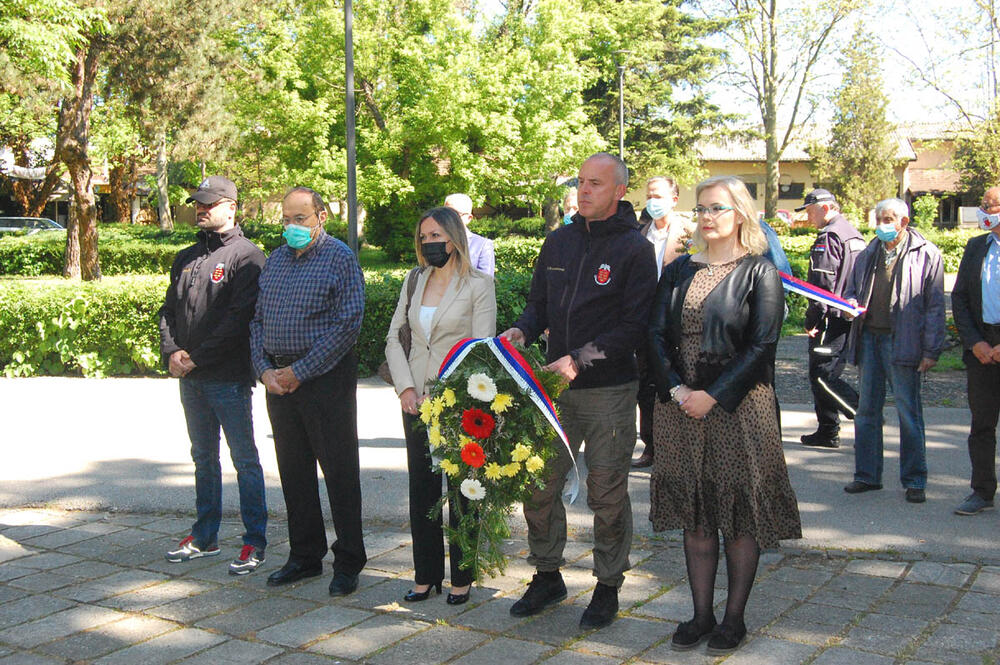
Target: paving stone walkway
<point>80,587</point>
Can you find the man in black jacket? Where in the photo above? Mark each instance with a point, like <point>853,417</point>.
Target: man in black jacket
<point>205,342</point>
<point>975,301</point>
<point>592,286</point>
<point>830,263</point>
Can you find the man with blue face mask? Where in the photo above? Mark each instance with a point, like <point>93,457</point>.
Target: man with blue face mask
<point>309,312</point>
<point>899,279</point>
<point>975,302</point>
<point>666,232</point>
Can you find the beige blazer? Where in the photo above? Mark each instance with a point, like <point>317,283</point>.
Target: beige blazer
<point>467,309</point>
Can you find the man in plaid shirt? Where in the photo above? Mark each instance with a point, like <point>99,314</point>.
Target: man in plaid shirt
<point>309,311</point>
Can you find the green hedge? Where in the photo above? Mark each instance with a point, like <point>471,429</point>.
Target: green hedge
<point>53,326</point>
<point>123,249</point>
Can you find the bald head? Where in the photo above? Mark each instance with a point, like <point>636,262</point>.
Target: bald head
<point>991,200</point>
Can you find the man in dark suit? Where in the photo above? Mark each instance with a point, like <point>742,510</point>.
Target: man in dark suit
<point>481,254</point>
<point>975,301</point>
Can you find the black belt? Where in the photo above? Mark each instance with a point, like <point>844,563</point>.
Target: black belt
<point>280,361</point>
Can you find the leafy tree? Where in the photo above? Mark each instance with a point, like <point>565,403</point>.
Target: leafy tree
<point>977,155</point>
<point>39,37</point>
<point>775,51</point>
<point>859,159</point>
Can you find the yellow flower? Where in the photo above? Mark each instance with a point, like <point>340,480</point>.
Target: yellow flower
<point>462,440</point>
<point>520,452</point>
<point>534,464</point>
<point>449,467</point>
<point>449,397</point>
<point>510,470</point>
<point>425,411</point>
<point>438,406</point>
<point>493,471</point>
<point>501,402</point>
<point>434,437</point>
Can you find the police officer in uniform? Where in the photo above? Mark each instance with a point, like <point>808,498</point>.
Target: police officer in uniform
<point>830,263</point>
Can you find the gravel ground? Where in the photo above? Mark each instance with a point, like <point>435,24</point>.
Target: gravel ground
<point>941,388</point>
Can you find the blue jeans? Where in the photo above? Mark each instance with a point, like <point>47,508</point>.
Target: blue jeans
<point>207,406</point>
<point>875,367</point>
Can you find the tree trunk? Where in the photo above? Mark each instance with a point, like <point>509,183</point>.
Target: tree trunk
<point>162,183</point>
<point>32,195</point>
<point>550,211</point>
<point>769,53</point>
<point>72,144</point>
<point>71,264</point>
<point>122,185</point>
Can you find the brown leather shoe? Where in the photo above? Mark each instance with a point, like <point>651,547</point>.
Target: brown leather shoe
<point>644,460</point>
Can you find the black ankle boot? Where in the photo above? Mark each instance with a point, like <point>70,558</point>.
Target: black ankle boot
<point>544,590</point>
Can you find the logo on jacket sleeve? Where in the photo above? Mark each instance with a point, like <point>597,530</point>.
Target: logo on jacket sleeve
<point>218,273</point>
<point>603,276</point>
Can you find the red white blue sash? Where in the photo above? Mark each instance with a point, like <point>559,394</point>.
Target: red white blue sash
<point>518,368</point>
<point>819,295</point>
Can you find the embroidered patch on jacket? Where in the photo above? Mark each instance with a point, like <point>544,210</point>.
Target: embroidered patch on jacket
<point>603,276</point>
<point>218,273</point>
<point>819,248</point>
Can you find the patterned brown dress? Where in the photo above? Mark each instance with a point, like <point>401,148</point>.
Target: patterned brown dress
<point>726,472</point>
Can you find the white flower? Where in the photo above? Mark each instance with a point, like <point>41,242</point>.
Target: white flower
<point>472,489</point>
<point>482,387</point>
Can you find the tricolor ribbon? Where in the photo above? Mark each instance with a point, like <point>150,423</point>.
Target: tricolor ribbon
<point>812,292</point>
<point>518,368</point>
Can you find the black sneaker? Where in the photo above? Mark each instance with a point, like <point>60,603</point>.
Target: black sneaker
<point>603,607</point>
<point>545,590</point>
<point>187,550</point>
<point>915,495</point>
<point>248,561</point>
<point>821,439</point>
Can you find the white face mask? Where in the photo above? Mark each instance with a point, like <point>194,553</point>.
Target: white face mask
<point>987,222</point>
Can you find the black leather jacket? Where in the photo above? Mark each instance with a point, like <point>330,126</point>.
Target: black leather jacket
<point>742,324</point>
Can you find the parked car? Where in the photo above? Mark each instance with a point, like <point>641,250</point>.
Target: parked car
<point>28,225</point>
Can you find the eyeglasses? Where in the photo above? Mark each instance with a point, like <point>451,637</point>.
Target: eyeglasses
<point>298,219</point>
<point>712,211</point>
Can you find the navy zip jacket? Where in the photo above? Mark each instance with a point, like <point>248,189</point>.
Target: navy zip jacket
<point>209,304</point>
<point>592,289</point>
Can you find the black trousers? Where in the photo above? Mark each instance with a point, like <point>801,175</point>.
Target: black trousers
<point>319,423</point>
<point>984,403</point>
<point>425,491</point>
<point>831,394</point>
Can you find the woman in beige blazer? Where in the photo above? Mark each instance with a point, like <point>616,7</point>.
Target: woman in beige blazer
<point>452,301</point>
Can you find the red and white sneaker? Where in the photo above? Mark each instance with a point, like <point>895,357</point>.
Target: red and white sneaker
<point>248,561</point>
<point>187,550</point>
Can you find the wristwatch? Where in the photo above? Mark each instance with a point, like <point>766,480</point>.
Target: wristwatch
<point>673,392</point>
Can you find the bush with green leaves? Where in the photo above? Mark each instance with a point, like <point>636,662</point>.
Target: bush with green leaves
<point>126,249</point>
<point>54,326</point>
<point>501,226</point>
<point>925,211</point>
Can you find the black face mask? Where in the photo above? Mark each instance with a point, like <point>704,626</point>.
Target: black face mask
<point>435,254</point>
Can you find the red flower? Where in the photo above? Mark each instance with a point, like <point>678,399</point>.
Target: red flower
<point>477,423</point>
<point>473,455</point>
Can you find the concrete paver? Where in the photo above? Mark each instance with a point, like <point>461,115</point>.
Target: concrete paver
<point>875,581</point>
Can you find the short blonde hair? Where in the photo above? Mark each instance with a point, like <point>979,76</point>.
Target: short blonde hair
<point>451,224</point>
<point>750,234</point>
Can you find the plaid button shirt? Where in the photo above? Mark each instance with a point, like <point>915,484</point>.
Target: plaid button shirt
<point>309,306</point>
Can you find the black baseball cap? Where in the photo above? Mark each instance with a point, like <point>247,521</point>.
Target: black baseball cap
<point>816,196</point>
<point>213,188</point>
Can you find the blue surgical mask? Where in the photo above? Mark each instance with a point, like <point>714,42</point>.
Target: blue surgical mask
<point>568,218</point>
<point>297,236</point>
<point>657,208</point>
<point>886,232</point>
